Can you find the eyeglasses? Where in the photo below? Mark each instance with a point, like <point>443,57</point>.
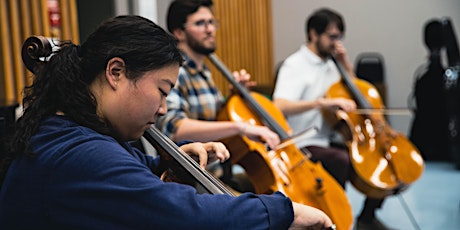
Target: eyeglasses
<point>203,24</point>
<point>334,37</point>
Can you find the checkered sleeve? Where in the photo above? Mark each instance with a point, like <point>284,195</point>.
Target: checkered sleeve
<point>178,109</point>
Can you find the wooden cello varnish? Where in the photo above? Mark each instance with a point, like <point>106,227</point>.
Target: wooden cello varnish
<point>306,182</point>
<point>384,161</point>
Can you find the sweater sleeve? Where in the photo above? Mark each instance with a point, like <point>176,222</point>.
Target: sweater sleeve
<point>100,184</point>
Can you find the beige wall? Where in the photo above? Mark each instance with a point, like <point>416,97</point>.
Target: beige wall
<point>393,28</point>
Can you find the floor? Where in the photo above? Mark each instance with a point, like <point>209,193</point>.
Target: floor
<point>430,203</point>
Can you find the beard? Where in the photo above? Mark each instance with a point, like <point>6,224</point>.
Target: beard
<point>198,47</point>
<point>323,52</point>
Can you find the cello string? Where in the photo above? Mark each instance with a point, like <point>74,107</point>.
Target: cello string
<point>158,139</point>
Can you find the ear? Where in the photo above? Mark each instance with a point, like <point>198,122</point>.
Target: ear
<point>114,71</point>
<point>179,34</point>
<point>313,35</point>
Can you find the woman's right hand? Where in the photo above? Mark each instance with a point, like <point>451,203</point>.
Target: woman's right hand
<point>307,217</point>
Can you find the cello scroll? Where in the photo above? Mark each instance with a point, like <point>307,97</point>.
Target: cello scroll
<point>33,49</point>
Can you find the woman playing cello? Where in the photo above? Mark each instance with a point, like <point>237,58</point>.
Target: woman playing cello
<point>71,165</point>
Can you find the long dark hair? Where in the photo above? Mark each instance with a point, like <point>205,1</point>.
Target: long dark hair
<point>62,84</point>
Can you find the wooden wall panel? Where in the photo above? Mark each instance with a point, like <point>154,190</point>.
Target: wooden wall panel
<point>20,20</point>
<point>66,31</point>
<point>69,21</point>
<point>73,14</point>
<point>7,81</point>
<point>16,43</point>
<point>36,12</point>
<point>27,25</point>
<point>44,18</point>
<point>244,40</point>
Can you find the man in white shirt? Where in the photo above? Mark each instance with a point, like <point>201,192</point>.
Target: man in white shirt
<point>302,82</point>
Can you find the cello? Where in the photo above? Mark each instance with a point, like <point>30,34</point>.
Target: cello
<point>384,161</point>
<point>286,169</point>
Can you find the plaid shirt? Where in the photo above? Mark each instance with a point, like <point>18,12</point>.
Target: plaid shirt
<point>194,96</point>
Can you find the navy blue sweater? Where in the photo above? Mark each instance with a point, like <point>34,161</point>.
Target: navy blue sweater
<point>81,179</point>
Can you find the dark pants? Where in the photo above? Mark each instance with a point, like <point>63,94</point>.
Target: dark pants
<point>336,161</point>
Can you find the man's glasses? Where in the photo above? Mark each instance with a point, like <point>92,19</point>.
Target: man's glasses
<point>334,37</point>
<point>203,24</point>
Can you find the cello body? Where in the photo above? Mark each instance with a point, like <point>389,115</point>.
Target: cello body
<point>384,161</point>
<point>306,182</point>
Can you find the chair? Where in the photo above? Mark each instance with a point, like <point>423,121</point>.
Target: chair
<point>370,66</point>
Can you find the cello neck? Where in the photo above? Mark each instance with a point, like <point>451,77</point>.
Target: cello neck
<point>159,141</point>
<point>353,90</point>
<point>255,107</point>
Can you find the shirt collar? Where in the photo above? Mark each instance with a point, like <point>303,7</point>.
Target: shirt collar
<point>191,66</point>
<point>312,56</point>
